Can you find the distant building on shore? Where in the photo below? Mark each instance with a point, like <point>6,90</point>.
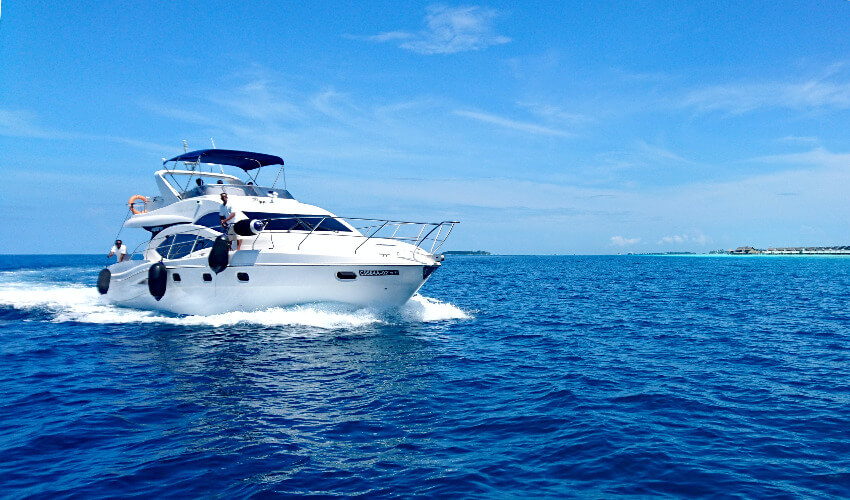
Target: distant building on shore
<point>837,250</point>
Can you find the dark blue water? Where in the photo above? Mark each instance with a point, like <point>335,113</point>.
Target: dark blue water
<point>518,376</point>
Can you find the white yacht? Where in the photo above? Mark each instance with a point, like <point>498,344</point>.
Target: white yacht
<point>290,252</point>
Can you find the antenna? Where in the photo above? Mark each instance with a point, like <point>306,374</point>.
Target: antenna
<point>186,163</point>
<point>213,142</point>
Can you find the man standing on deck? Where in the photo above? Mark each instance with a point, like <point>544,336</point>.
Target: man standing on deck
<point>226,214</point>
<point>119,251</point>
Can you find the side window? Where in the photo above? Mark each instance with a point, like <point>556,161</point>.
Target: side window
<point>202,243</point>
<point>212,221</point>
<point>165,246</point>
<point>182,246</point>
<point>288,222</point>
<point>279,222</point>
<point>331,225</point>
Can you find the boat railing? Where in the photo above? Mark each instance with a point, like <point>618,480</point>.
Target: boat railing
<point>428,236</point>
<point>418,234</point>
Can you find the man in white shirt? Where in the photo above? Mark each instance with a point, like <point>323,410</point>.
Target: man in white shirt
<point>119,251</point>
<point>228,218</point>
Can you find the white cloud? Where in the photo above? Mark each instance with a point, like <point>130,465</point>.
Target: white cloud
<point>532,128</point>
<point>449,30</point>
<point>621,241</point>
<point>678,239</point>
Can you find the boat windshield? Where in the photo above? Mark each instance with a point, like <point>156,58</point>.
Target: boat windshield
<point>236,190</point>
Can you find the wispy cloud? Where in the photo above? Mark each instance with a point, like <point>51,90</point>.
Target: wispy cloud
<point>19,123</point>
<point>391,36</point>
<point>812,158</point>
<point>800,139</point>
<point>738,98</point>
<point>656,153</point>
<point>258,100</point>
<point>332,103</point>
<point>620,241</point>
<point>697,238</point>
<point>177,113</point>
<point>555,114</point>
<point>532,128</point>
<point>449,30</point>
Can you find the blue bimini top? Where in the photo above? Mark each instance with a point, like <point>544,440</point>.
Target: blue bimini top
<point>245,160</point>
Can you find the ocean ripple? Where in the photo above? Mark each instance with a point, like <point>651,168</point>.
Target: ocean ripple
<point>510,376</point>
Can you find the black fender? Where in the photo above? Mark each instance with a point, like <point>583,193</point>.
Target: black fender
<point>103,281</point>
<point>219,255</point>
<point>248,227</point>
<point>157,280</point>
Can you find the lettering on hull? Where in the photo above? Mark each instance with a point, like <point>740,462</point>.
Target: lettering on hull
<point>378,272</point>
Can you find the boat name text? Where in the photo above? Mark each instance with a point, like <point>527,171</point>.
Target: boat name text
<point>378,272</point>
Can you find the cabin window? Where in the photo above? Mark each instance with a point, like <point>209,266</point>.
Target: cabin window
<point>202,243</point>
<point>294,222</point>
<point>165,246</point>
<point>182,246</point>
<point>242,276</point>
<point>328,224</point>
<point>207,277</point>
<point>346,275</point>
<point>212,221</point>
<point>175,277</point>
<point>177,246</point>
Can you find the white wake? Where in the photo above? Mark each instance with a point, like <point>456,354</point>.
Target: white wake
<point>65,302</point>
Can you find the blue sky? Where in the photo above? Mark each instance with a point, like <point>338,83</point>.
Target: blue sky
<point>545,127</point>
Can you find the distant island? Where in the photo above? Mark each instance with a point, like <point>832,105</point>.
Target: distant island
<point>466,252</point>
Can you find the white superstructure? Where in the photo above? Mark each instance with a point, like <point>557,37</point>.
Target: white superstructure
<point>291,252</point>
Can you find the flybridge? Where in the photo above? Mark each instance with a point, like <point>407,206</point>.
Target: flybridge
<point>248,161</point>
<point>245,160</point>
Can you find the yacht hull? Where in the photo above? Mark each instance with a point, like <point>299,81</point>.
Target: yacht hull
<point>196,289</point>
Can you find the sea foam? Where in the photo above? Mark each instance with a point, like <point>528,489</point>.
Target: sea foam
<point>68,302</point>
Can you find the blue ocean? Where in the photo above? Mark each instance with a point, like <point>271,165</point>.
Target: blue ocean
<point>509,376</point>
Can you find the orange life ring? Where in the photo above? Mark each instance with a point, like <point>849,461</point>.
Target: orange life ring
<point>134,199</point>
